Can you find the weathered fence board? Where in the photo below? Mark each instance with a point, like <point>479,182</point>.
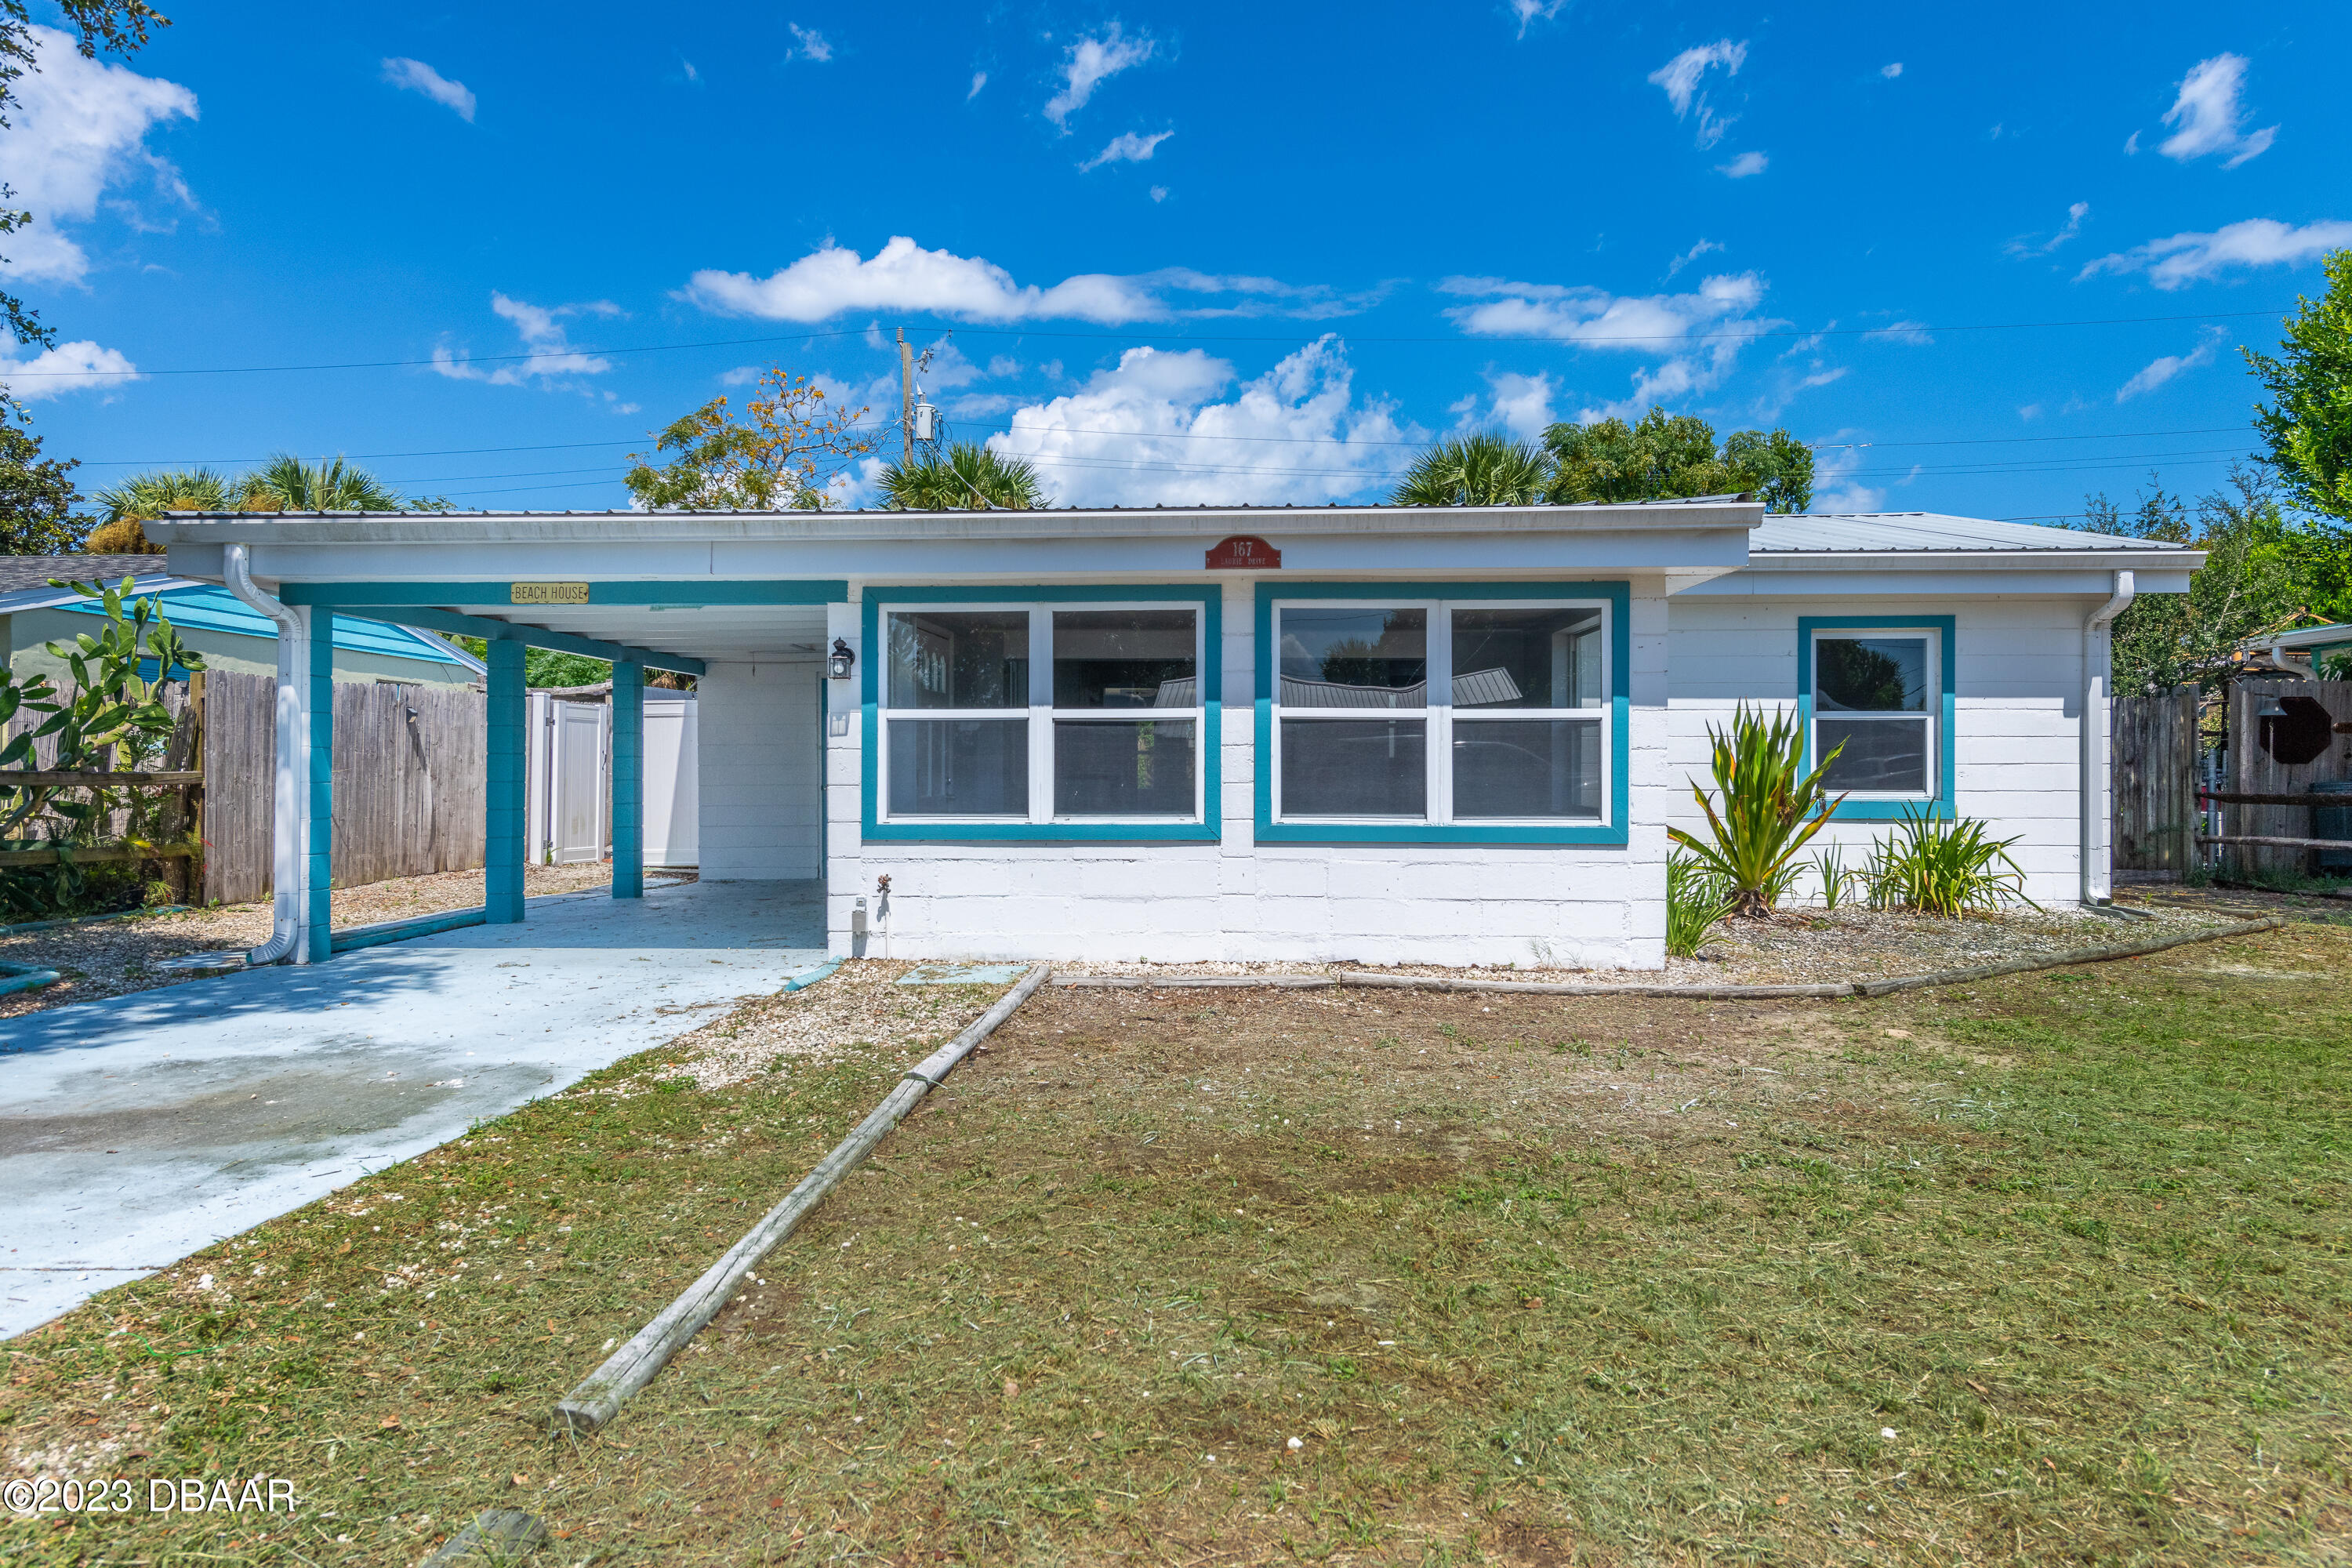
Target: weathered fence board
<point>2154,744</point>
<point>2255,770</point>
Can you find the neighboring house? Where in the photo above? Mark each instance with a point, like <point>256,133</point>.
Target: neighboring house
<point>210,620</point>
<point>1439,734</point>
<point>2299,652</point>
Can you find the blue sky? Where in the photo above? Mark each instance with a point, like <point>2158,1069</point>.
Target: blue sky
<point>1198,253</point>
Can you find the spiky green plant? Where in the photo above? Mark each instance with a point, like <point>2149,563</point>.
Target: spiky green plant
<point>287,483</point>
<point>1830,865</point>
<point>970,478</point>
<point>1941,868</point>
<point>1770,808</point>
<point>1695,904</point>
<point>1484,469</point>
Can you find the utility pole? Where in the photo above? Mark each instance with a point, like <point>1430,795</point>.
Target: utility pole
<point>906,401</point>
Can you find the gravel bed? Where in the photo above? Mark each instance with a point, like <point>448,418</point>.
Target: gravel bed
<point>110,957</point>
<point>859,1007</point>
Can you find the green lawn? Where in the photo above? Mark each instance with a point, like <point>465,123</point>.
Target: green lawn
<point>1528,1279</point>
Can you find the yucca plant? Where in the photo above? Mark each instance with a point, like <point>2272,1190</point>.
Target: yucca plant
<point>1948,869</point>
<point>1830,865</point>
<point>1770,809</point>
<point>1696,905</point>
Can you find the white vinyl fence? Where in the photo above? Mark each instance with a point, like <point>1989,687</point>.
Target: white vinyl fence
<point>568,817</point>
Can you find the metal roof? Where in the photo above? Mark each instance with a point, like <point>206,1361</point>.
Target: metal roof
<point>21,571</point>
<point>1880,533</point>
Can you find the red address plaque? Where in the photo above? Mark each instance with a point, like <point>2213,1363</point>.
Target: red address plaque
<point>1244,553</point>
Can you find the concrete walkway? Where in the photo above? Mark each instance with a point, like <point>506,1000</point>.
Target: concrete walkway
<point>136,1130</point>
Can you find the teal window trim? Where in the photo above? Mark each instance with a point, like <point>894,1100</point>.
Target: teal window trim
<point>1208,831</point>
<point>1942,805</point>
<point>1617,595</point>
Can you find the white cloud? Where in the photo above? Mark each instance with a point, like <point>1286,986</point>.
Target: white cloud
<point>2025,244</point>
<point>1091,62</point>
<point>1127,149</point>
<point>1912,332</point>
<point>1159,193</point>
<point>1519,403</point>
<point>1747,164</point>
<point>416,76</point>
<point>979,80</point>
<point>1681,78</point>
<point>2160,371</point>
<point>1530,12</point>
<point>1689,329</point>
<point>2210,117</point>
<point>1692,254</point>
<point>1892,70</point>
<point>904,277</point>
<point>813,46</point>
<point>2186,258</point>
<point>79,128</point>
<point>548,351</point>
<point>69,367</point>
<point>1159,429</point>
<point>1835,490</point>
<point>2030,412</point>
<point>2131,145</point>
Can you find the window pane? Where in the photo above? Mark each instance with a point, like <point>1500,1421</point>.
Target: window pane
<point>1354,658</point>
<point>1125,659</point>
<point>1870,675</point>
<point>961,659</point>
<point>960,767</point>
<point>1354,767</point>
<point>1123,769</point>
<point>1527,767</point>
<point>1883,756</point>
<point>1527,658</point>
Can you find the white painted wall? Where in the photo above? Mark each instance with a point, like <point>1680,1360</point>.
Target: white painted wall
<point>756,764</point>
<point>1596,906</point>
<point>2017,692</point>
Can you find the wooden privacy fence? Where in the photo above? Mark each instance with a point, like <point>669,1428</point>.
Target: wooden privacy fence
<point>2284,756</point>
<point>408,782</point>
<point>2155,745</point>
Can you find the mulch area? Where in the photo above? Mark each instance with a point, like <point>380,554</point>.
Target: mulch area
<point>110,957</point>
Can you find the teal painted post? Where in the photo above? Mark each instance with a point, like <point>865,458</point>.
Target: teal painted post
<point>504,784</point>
<point>319,917</point>
<point>628,781</point>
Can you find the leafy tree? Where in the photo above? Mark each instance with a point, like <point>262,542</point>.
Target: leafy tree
<point>2308,422</point>
<point>1483,468</point>
<point>120,26</point>
<point>777,458</point>
<point>1666,455</point>
<point>968,479</point>
<point>37,497</point>
<point>2263,570</point>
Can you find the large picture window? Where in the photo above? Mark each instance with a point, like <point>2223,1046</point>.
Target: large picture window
<point>1042,714</point>
<point>1434,712</point>
<point>1874,694</point>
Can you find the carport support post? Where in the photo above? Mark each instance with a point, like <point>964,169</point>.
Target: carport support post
<point>503,792</point>
<point>628,814</point>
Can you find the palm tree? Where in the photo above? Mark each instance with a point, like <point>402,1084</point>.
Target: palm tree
<point>287,483</point>
<point>1483,468</point>
<point>123,507</point>
<point>970,479</point>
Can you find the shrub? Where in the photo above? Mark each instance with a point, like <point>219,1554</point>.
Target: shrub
<point>1942,867</point>
<point>1697,902</point>
<point>1768,812</point>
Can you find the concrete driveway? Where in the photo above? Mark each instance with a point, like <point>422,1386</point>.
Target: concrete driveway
<point>136,1130</point>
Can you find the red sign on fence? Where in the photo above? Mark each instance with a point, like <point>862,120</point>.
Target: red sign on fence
<point>1244,553</point>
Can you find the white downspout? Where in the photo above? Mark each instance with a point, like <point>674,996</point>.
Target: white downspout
<point>2097,763</point>
<point>289,865</point>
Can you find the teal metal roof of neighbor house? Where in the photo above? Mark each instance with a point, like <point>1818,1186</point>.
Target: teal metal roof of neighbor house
<point>194,607</point>
<point>1884,531</point>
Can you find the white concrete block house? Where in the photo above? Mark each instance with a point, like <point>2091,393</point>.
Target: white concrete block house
<point>1444,735</point>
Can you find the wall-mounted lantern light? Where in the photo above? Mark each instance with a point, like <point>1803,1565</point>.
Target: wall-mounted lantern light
<point>841,660</point>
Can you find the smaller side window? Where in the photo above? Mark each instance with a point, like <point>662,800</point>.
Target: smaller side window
<point>1872,697</point>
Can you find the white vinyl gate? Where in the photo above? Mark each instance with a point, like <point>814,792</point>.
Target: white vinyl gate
<point>568,819</point>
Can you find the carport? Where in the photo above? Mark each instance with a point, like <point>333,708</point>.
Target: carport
<point>638,626</point>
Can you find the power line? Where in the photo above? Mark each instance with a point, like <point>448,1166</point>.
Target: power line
<point>1571,339</point>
